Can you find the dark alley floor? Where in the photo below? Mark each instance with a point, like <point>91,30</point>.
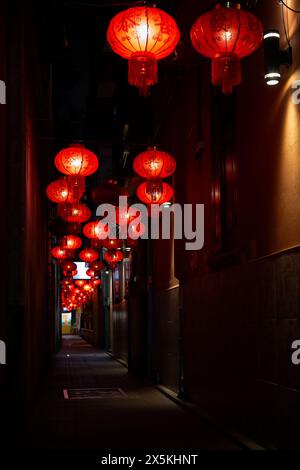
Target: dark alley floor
<point>140,417</point>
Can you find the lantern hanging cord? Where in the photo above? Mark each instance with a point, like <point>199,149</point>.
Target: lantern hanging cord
<point>285,26</point>
<point>288,7</point>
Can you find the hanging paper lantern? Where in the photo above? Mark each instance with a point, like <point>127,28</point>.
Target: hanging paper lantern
<point>90,273</point>
<point>76,162</point>
<point>113,256</point>
<point>96,230</point>
<point>59,253</point>
<point>68,266</point>
<point>154,164</point>
<point>150,193</point>
<point>80,282</point>
<point>96,282</point>
<point>59,191</point>
<point>96,265</point>
<point>143,35</point>
<point>88,288</point>
<point>109,193</point>
<point>226,34</point>
<point>71,242</point>
<point>88,255</point>
<point>112,243</point>
<point>78,213</point>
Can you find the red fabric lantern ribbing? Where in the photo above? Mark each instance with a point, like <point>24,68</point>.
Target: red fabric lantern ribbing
<point>154,164</point>
<point>154,195</point>
<point>76,160</point>
<point>71,242</point>
<point>59,253</point>
<point>143,35</point>
<point>113,256</point>
<point>96,230</point>
<point>78,213</point>
<point>88,255</point>
<point>225,35</point>
<point>59,191</point>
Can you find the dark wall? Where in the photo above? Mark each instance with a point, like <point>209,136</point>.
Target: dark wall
<point>30,341</point>
<point>240,321</point>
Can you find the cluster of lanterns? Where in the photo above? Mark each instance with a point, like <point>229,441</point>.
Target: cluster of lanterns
<point>143,35</point>
<point>154,166</point>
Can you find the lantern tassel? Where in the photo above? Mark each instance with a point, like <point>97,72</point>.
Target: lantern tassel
<point>142,71</point>
<point>226,72</point>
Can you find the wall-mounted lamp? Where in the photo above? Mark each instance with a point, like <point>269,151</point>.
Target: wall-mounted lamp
<point>274,57</point>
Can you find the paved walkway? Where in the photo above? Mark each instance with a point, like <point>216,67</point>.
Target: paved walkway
<point>142,418</point>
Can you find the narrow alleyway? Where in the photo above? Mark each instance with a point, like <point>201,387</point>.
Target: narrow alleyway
<point>136,416</point>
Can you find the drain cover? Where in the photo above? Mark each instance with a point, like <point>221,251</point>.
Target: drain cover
<point>93,393</point>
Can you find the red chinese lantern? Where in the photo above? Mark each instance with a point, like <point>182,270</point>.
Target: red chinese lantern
<point>112,243</point>
<point>96,282</point>
<point>96,230</point>
<point>71,242</point>
<point>226,34</point>
<point>154,164</point>
<point>109,193</point>
<point>80,282</point>
<point>143,35</point>
<point>88,288</point>
<point>88,255</point>
<point>76,162</point>
<point>68,266</point>
<point>96,265</point>
<point>59,253</point>
<point>113,256</point>
<point>78,213</point>
<point>154,195</point>
<point>59,191</point>
<point>90,273</point>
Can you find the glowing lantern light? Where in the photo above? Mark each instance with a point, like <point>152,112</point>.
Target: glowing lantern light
<point>154,164</point>
<point>96,282</point>
<point>143,35</point>
<point>90,273</point>
<point>68,266</point>
<point>71,242</point>
<point>96,230</point>
<point>59,253</point>
<point>78,213</point>
<point>59,191</point>
<point>226,34</point>
<point>88,255</point>
<point>88,288</point>
<point>113,256</point>
<point>80,282</point>
<point>76,162</point>
<point>113,243</point>
<point>154,195</point>
<point>96,266</point>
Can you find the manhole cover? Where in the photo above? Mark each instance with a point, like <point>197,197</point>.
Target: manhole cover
<point>93,393</point>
